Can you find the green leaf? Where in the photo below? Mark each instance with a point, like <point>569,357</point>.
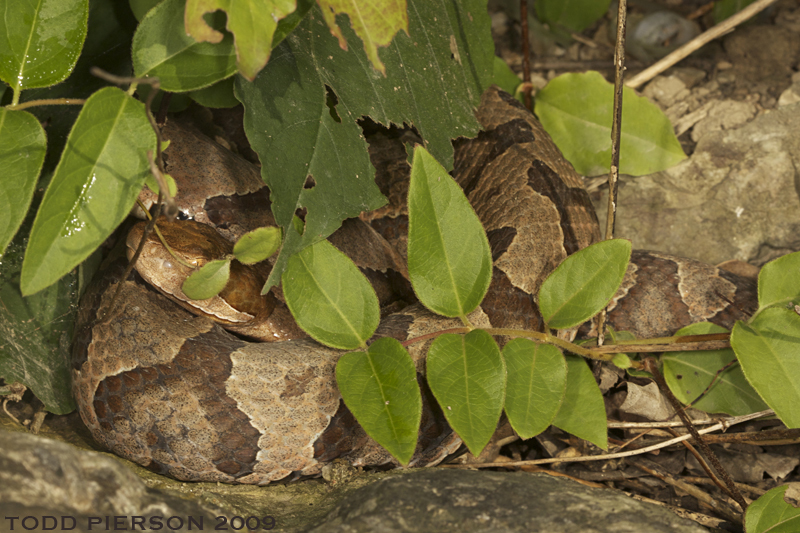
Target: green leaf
<point>40,41</point>
<point>449,260</point>
<point>375,23</point>
<point>380,388</point>
<point>779,281</point>
<point>208,280</point>
<point>582,412</point>
<point>770,513</point>
<point>94,186</point>
<point>217,96</point>
<point>467,376</point>
<point>504,77</point>
<point>330,298</point>
<point>252,23</point>
<point>688,374</point>
<point>257,245</point>
<point>107,46</point>
<point>162,49</point>
<point>36,331</point>
<point>576,109</point>
<point>141,7</point>
<point>291,128</point>
<point>537,380</point>
<point>769,351</point>
<point>21,157</point>
<point>583,284</point>
<point>574,15</point>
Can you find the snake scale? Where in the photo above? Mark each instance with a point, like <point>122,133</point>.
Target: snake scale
<point>180,395</point>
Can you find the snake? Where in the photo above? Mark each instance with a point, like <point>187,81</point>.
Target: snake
<point>249,398</point>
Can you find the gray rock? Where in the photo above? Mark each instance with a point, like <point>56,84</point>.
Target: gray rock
<point>43,478</point>
<point>469,501</point>
<point>736,197</point>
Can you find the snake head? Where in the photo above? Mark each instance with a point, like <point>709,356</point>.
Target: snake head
<point>192,245</point>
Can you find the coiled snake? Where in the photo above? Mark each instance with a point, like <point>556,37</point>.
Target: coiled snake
<point>182,396</point>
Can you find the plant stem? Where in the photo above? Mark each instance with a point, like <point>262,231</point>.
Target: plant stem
<point>47,101</point>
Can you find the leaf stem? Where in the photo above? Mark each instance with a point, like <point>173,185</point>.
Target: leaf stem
<point>15,96</point>
<point>47,101</point>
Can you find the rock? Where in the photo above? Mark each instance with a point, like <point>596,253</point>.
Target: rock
<point>736,197</point>
<point>469,501</point>
<point>43,478</point>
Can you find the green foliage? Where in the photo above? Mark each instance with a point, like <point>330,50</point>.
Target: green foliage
<point>572,15</point>
<point>583,411</point>
<point>778,282</point>
<point>768,348</point>
<point>104,158</point>
<point>330,298</point>
<point>21,158</point>
<point>208,280</point>
<point>772,514</point>
<point>161,48</point>
<point>42,41</point>
<point>576,110</point>
<point>583,284</point>
<point>257,245</point>
<point>467,375</point>
<point>295,135</point>
<point>449,261</point>
<point>380,387</point>
<point>537,380</point>
<point>688,374</point>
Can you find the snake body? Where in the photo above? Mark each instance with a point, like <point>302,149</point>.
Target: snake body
<point>180,395</point>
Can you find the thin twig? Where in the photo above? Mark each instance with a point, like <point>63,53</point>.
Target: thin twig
<point>718,506</point>
<point>701,40</point>
<point>526,55</point>
<point>616,127</point>
<point>731,421</point>
<point>723,424</point>
<point>702,462</point>
<point>652,366</point>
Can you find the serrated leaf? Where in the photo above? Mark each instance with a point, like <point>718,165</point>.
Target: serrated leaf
<point>537,380</point>
<point>330,298</point>
<point>779,281</point>
<point>449,259</point>
<point>688,374</point>
<point>93,189</point>
<point>771,514</point>
<point>582,412</point>
<point>574,15</point>
<point>769,351</point>
<point>21,157</point>
<point>374,23</point>
<point>252,23</point>
<point>467,376</point>
<point>257,245</point>
<point>583,284</point>
<point>208,280</point>
<point>41,41</point>
<point>290,126</point>
<point>576,110</point>
<point>217,96</point>
<point>162,49</point>
<point>380,388</point>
